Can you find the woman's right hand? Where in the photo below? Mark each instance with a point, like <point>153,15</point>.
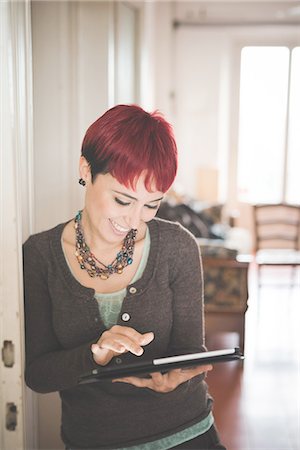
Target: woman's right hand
<point>117,340</point>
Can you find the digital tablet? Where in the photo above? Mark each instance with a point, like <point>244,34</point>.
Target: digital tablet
<point>161,364</point>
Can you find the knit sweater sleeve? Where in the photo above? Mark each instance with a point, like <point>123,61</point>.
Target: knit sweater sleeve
<point>49,367</point>
<point>187,287</point>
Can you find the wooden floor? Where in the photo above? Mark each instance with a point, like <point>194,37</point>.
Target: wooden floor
<point>257,403</point>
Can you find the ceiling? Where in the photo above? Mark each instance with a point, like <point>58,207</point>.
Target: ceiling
<point>224,13</point>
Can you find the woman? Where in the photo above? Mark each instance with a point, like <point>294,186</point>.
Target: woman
<point>114,284</point>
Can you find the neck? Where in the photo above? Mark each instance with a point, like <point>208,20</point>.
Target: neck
<point>88,260</point>
<point>93,238</point>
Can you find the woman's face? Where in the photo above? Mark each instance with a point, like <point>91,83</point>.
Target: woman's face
<point>113,209</point>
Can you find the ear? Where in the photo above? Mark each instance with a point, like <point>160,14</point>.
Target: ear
<point>84,169</point>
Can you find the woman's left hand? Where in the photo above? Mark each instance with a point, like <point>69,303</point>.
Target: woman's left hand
<point>167,382</point>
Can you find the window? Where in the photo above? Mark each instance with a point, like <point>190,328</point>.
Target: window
<point>293,162</point>
<point>269,138</point>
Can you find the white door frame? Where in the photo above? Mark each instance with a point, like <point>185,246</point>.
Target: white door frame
<point>16,206</point>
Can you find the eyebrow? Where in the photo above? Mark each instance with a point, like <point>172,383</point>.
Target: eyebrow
<point>134,198</point>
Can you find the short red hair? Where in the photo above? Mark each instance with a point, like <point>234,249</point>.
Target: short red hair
<point>127,141</point>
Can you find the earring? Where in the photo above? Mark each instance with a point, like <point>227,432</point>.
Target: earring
<point>82,182</point>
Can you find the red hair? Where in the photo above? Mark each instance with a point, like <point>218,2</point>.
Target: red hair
<point>127,141</point>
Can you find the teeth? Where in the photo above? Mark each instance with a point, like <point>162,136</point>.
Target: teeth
<point>118,227</point>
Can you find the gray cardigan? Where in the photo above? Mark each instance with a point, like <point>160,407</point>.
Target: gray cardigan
<point>62,320</point>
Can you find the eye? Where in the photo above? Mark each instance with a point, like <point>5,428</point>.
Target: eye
<point>120,202</point>
<point>152,207</point>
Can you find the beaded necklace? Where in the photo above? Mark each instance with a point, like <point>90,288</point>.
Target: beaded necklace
<point>88,261</point>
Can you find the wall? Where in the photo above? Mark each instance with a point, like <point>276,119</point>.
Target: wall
<point>207,96</point>
<point>70,91</point>
<point>197,91</point>
<point>163,59</point>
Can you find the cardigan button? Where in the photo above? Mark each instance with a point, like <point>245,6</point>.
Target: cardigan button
<point>132,290</point>
<point>125,317</point>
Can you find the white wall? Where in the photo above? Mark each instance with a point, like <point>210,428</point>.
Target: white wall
<point>165,60</point>
<point>207,96</point>
<point>197,91</point>
<point>70,70</point>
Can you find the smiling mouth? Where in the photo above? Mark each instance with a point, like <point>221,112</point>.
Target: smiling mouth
<point>118,227</point>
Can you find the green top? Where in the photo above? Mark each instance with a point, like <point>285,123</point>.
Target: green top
<point>110,306</point>
<point>177,438</point>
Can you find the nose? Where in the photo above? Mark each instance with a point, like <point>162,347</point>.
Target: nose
<point>134,218</point>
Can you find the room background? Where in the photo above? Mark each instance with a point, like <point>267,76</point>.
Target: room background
<point>70,61</point>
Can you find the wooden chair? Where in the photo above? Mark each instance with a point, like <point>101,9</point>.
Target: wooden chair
<point>277,236</point>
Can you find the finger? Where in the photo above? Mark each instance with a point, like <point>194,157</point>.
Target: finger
<point>135,381</point>
<point>102,351</point>
<point>198,369</point>
<point>147,338</point>
<point>193,372</point>
<point>97,350</point>
<point>103,347</point>
<point>120,343</point>
<point>201,369</point>
<point>142,339</point>
<point>158,378</point>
